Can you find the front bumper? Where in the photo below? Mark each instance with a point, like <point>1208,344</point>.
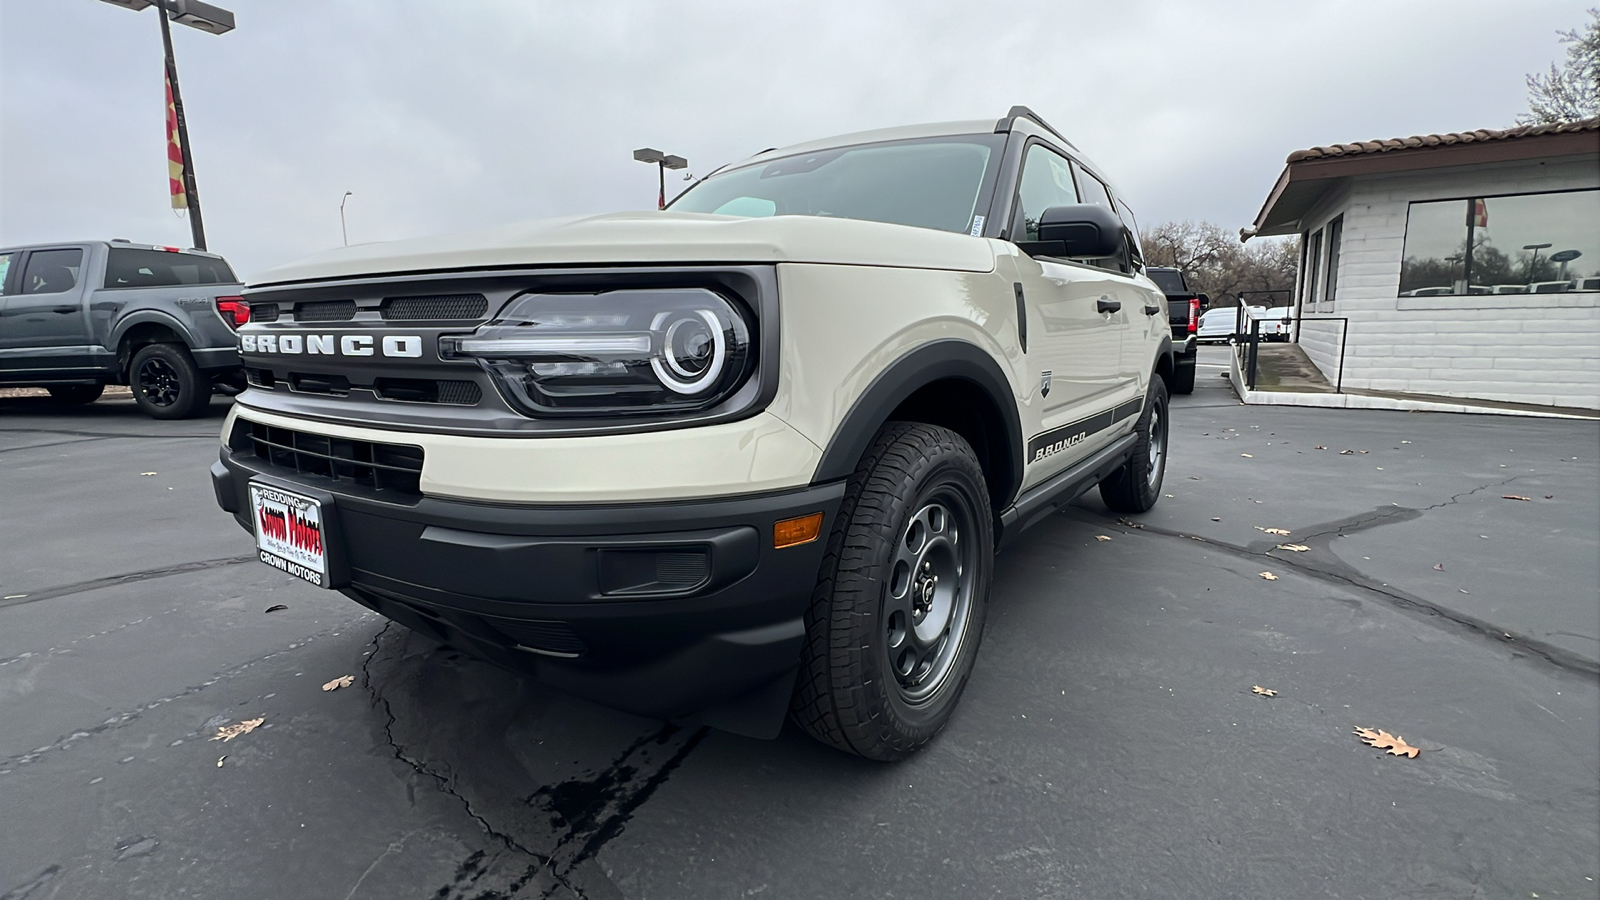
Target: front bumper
<point>676,610</point>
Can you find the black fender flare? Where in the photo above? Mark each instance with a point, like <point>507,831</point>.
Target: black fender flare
<point>930,362</point>
<point>153,317</point>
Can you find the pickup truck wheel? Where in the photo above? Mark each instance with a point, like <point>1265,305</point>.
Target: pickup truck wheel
<point>897,614</point>
<point>166,383</point>
<point>1183,376</point>
<point>1137,485</point>
<point>76,394</point>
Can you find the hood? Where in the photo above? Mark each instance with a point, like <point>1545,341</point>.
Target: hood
<point>651,237</point>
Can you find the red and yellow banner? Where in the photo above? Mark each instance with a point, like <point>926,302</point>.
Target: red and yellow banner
<point>180,199</point>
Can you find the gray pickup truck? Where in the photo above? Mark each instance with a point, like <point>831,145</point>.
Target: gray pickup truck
<point>77,316</point>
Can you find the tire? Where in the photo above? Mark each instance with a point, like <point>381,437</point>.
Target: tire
<point>76,394</point>
<point>880,675</point>
<point>166,383</point>
<point>1183,376</point>
<point>1136,486</point>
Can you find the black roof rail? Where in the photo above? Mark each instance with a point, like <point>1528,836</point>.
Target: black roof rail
<point>1018,112</point>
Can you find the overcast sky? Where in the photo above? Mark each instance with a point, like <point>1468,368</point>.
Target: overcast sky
<point>444,116</point>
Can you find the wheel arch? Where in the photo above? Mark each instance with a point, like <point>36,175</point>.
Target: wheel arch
<point>1166,363</point>
<point>147,327</point>
<point>950,383</point>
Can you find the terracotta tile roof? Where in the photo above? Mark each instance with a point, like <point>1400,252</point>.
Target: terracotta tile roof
<point>1442,140</point>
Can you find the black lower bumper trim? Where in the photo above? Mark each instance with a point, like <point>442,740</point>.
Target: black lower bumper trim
<point>675,610</point>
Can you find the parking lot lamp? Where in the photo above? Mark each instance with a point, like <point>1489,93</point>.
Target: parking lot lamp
<point>1533,260</point>
<point>205,17</point>
<point>663,162</point>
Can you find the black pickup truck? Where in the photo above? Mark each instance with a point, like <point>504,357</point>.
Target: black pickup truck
<point>1183,311</point>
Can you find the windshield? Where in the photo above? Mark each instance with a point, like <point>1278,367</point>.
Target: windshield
<point>937,183</point>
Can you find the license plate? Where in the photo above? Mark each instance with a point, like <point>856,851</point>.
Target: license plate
<point>289,533</point>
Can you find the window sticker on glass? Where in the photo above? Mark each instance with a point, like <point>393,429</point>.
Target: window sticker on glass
<point>977,226</point>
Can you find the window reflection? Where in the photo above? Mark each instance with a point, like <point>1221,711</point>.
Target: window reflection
<point>1520,244</point>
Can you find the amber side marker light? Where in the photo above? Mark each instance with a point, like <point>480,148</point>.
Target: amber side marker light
<point>793,532</point>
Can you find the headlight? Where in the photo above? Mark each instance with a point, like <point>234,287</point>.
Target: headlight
<point>614,353</point>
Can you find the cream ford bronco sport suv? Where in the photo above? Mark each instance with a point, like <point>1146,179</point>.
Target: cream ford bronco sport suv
<point>747,456</point>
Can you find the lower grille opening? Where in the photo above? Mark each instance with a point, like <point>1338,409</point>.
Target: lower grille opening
<point>264,312</point>
<point>368,464</point>
<point>261,378</point>
<point>421,390</point>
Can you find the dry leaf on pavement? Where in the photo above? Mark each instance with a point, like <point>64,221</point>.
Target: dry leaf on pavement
<point>149,473</point>
<point>1247,456</point>
<point>1319,447</point>
<point>1438,567</point>
<point>276,606</point>
<point>1346,452</point>
<point>229,732</point>
<point>341,681</point>
<point>1383,740</point>
<point>1272,530</point>
<point>1258,689</point>
<point>1515,497</point>
<point>1102,537</point>
<point>1269,576</point>
<point>1216,518</point>
<point>220,759</point>
<point>1296,548</point>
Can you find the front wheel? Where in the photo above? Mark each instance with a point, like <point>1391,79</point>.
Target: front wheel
<point>897,614</point>
<point>1137,485</point>
<point>166,382</point>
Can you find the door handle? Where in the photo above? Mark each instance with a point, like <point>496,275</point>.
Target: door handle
<point>64,309</point>
<point>1107,305</point>
<point>1152,310</point>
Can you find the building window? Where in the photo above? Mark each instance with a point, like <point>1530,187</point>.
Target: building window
<point>1313,267</point>
<point>1511,244</point>
<point>1335,238</point>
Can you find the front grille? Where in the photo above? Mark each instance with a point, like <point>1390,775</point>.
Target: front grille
<point>449,306</point>
<point>535,634</point>
<point>264,312</point>
<point>368,464</point>
<point>325,311</point>
<point>421,390</point>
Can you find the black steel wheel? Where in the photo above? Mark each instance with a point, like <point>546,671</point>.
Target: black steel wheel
<point>166,382</point>
<point>897,615</point>
<point>1137,485</point>
<point>76,394</point>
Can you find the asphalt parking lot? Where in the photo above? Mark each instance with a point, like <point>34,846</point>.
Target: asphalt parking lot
<point>1109,744</point>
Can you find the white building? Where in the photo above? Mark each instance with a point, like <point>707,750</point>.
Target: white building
<point>1385,227</point>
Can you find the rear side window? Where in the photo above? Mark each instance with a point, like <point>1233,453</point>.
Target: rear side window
<point>52,271</point>
<point>129,267</point>
<point>1169,282</point>
<point>5,269</point>
<point>1091,189</point>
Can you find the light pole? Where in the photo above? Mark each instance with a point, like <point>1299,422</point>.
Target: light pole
<point>205,17</point>
<point>345,234</point>
<point>663,162</point>
<point>1533,261</point>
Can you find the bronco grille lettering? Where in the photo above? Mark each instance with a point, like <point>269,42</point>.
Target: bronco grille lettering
<point>394,346</point>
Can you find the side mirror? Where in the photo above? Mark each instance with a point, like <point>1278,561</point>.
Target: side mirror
<point>1082,230</point>
<point>1205,301</point>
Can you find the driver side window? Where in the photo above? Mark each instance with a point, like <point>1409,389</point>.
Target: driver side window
<point>1046,182</point>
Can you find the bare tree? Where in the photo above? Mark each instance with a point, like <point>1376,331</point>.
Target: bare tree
<point>1213,261</point>
<point>1571,92</point>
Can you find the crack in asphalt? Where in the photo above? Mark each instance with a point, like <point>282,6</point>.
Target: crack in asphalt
<point>133,714</point>
<point>446,784</point>
<point>125,578</point>
<point>112,434</point>
<point>1322,562</point>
